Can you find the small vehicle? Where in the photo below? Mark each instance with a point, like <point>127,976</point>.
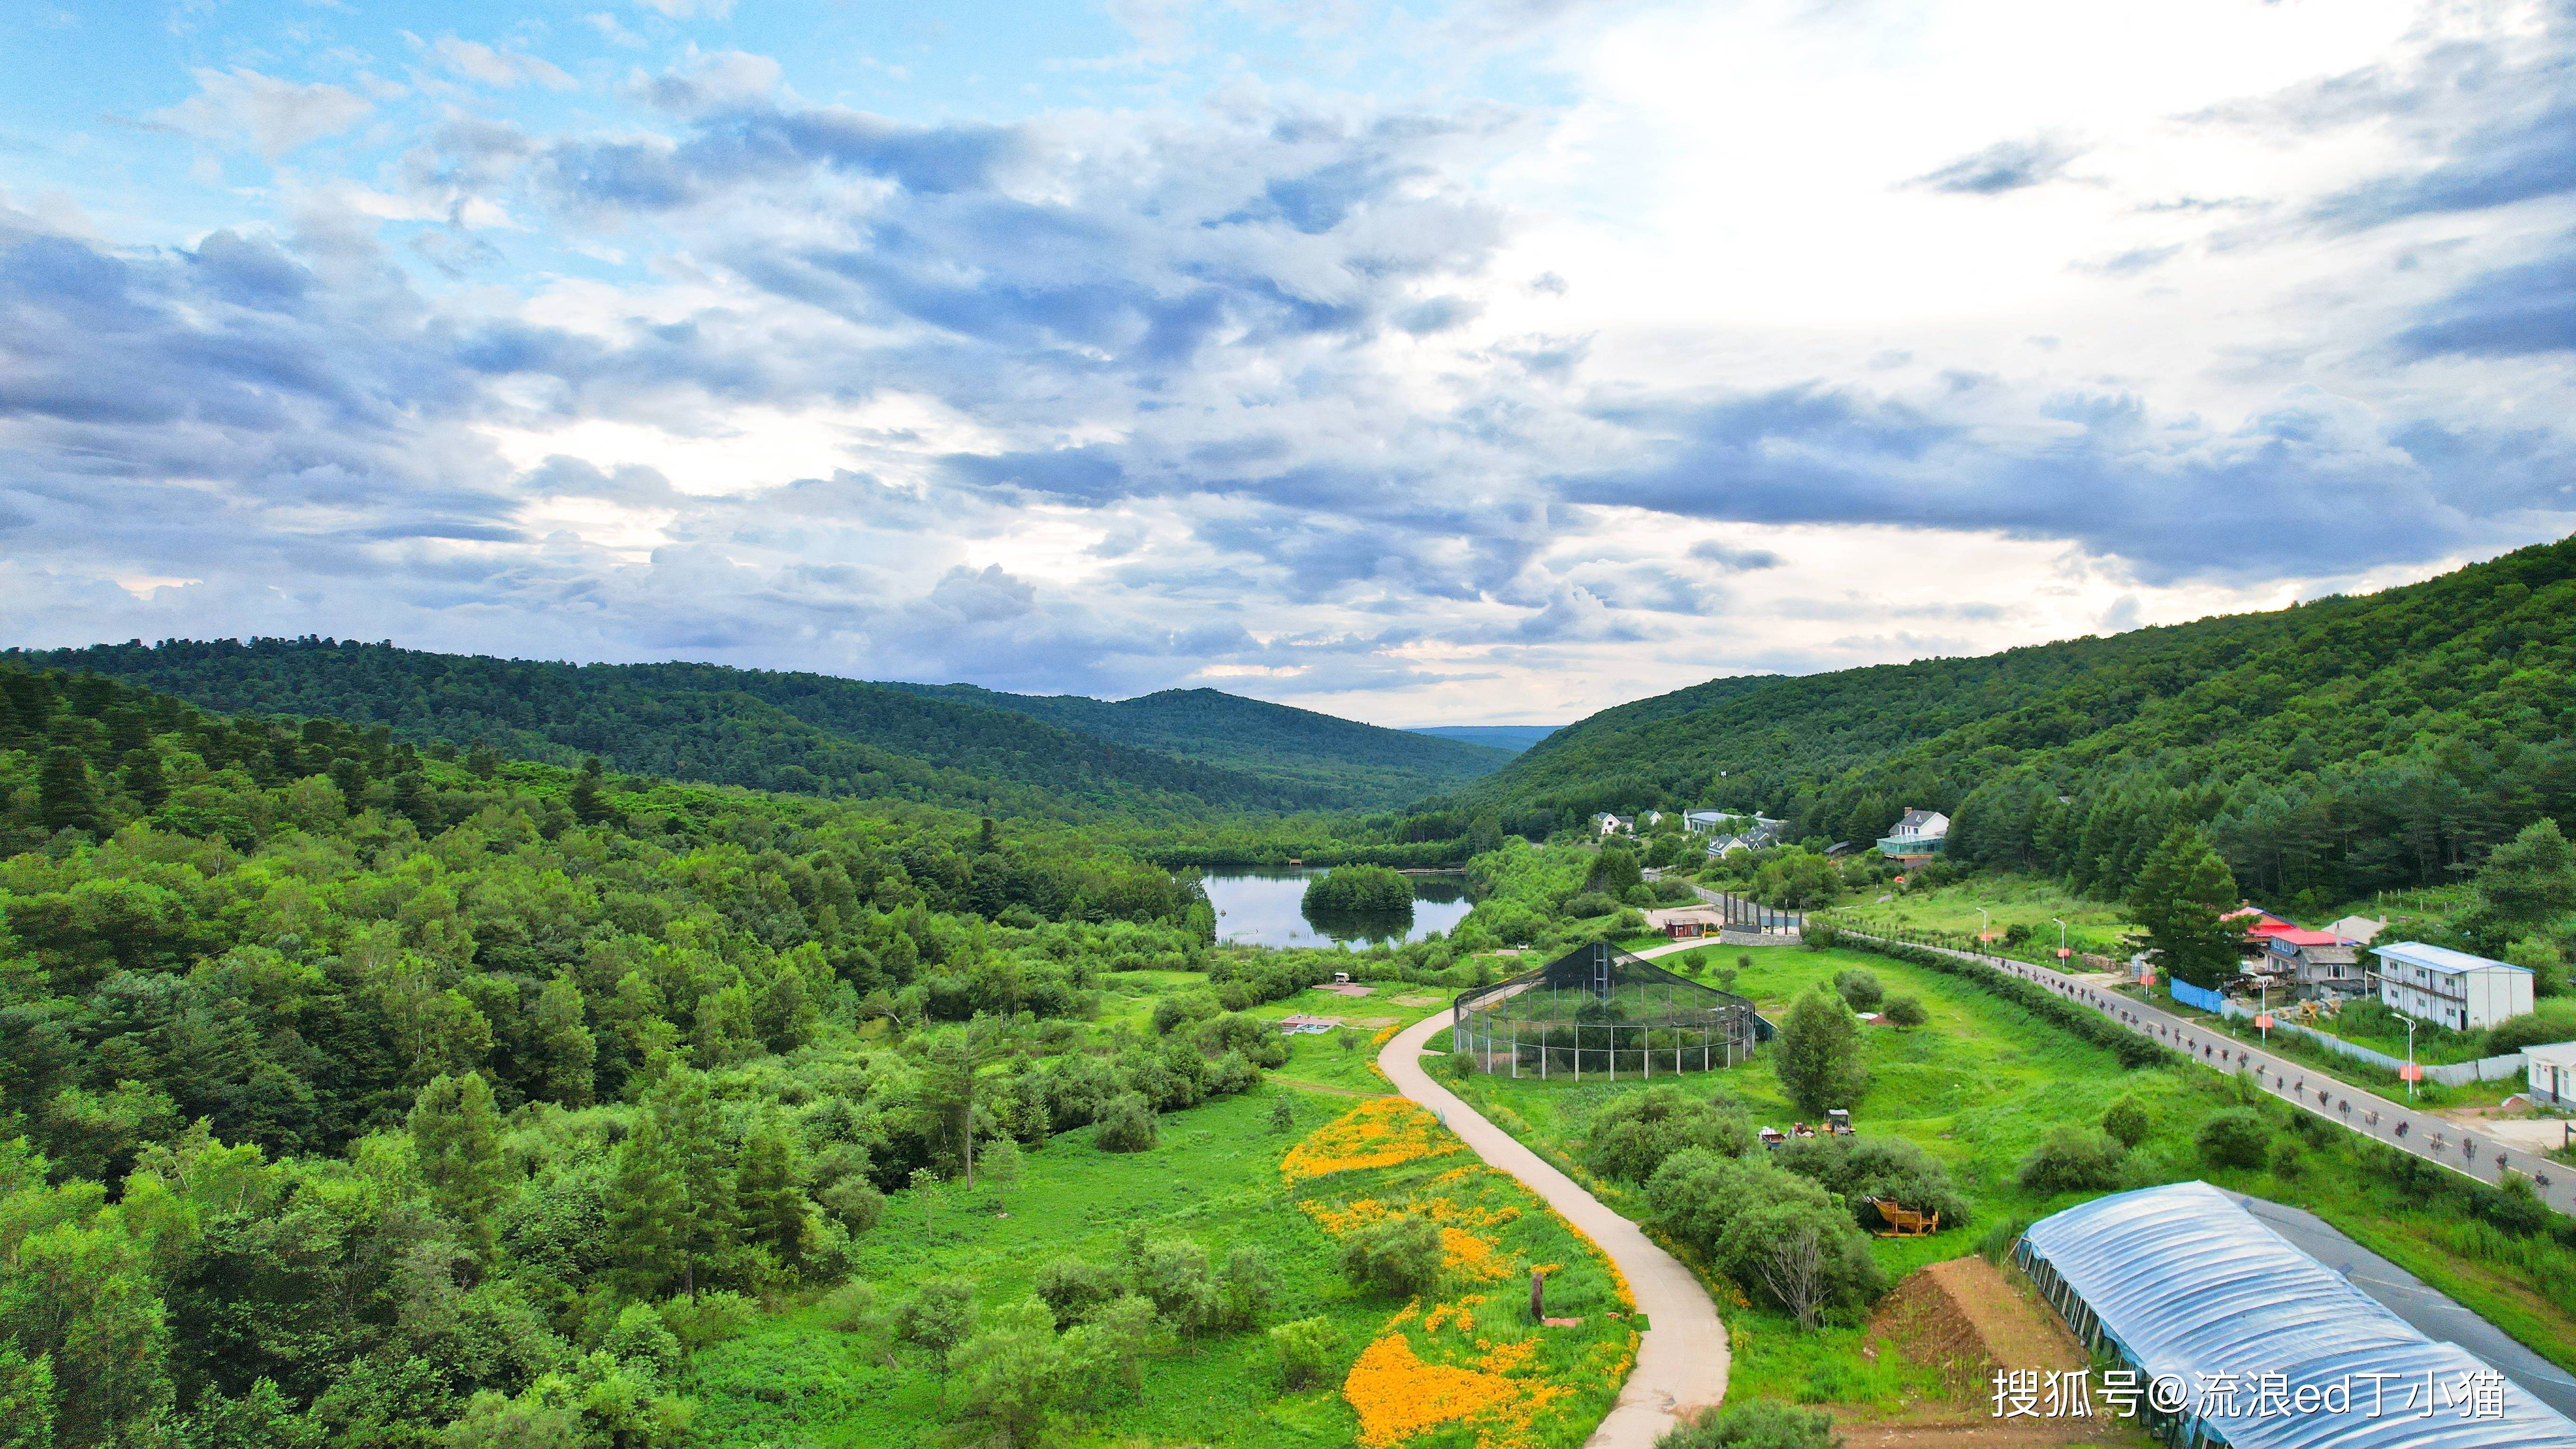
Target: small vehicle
<point>1838,1122</point>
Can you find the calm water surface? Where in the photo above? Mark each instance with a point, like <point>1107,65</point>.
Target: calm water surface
<point>1259,908</point>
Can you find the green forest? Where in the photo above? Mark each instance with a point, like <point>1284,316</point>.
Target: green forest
<point>369,1095</point>
<point>1176,757</point>
<point>2334,749</point>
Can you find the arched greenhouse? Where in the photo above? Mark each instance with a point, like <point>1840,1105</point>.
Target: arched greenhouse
<point>1602,1011</point>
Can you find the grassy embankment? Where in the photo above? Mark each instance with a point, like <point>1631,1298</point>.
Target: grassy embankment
<point>1978,1087</point>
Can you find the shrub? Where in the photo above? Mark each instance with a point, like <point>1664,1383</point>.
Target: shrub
<point>1817,1056</point>
<point>1591,904</point>
<point>1126,1125</point>
<point>1104,1359</point>
<point>642,1339</point>
<point>1398,1255</point>
<point>1753,1424</point>
<point>851,1308</point>
<point>939,1316</point>
<point>2127,1121</point>
<point>1246,1288</point>
<point>1632,1136</point>
<point>1905,1012</point>
<point>2516,1033</point>
<point>1809,1257</point>
<point>1860,987</point>
<point>1283,1114</point>
<point>1172,1274</point>
<point>2073,1159</point>
<point>1697,1194</point>
<point>2286,1161</point>
<point>1305,1352</point>
<point>1073,1289</point>
<point>1858,1169</point>
<point>2236,1137</point>
<point>1012,1373</point>
<point>854,1203</point>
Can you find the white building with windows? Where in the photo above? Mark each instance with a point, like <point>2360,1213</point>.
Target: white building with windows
<point>2450,988</point>
<point>2551,1071</point>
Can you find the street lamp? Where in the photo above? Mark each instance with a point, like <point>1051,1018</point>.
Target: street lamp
<point>2410,1059</point>
<point>2062,952</point>
<point>1985,926</point>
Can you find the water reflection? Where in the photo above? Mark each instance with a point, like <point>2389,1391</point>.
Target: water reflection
<point>1261,907</point>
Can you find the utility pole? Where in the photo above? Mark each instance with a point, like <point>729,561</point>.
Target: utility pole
<point>2410,1059</point>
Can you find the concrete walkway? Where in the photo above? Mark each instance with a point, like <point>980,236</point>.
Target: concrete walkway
<point>1682,1357</point>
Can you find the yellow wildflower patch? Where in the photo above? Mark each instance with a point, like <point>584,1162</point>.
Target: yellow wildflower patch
<point>1381,1132</point>
<point>1398,1395</point>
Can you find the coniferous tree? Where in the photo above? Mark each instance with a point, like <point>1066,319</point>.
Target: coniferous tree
<point>672,1203</point>
<point>456,1138</point>
<point>2183,893</point>
<point>64,797</point>
<point>776,1214</point>
<point>144,779</point>
<point>567,1051</point>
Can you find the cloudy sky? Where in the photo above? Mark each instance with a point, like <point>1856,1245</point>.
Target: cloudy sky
<point>1487,363</point>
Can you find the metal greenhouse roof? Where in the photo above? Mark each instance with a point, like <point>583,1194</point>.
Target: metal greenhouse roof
<point>2185,1282</point>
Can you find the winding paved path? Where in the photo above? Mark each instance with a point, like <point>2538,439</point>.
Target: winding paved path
<point>1682,1357</point>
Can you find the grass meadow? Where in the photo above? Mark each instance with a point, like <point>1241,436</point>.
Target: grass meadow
<point>1978,1087</point>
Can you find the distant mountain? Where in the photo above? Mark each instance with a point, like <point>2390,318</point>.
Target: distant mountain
<point>805,733</point>
<point>1346,763</point>
<point>2347,745</point>
<point>1514,738</point>
<point>1180,754</point>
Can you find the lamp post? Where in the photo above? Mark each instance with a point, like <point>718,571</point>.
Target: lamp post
<point>1985,926</point>
<point>2062,952</point>
<point>2410,1059</point>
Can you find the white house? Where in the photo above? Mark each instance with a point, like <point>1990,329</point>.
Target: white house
<point>1609,824</point>
<point>1917,836</point>
<point>1704,822</point>
<point>2450,988</point>
<point>2552,1072</point>
<point>2361,930</point>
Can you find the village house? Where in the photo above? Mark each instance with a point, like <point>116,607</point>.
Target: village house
<point>1916,838</point>
<point>1609,824</point>
<point>2450,988</point>
<point>1764,834</point>
<point>2360,930</point>
<point>2551,1071</point>
<point>2323,963</point>
<point>1704,822</point>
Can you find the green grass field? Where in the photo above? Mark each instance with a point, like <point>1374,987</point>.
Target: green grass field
<point>795,1382</point>
<point>2008,900</point>
<point>1978,1087</point>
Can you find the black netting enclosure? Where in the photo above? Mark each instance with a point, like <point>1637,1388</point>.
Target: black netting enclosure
<point>1601,1010</point>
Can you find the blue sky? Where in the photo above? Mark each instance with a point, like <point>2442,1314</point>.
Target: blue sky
<point>1420,363</point>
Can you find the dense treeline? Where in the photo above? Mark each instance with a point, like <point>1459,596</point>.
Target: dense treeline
<point>2330,750</point>
<point>358,1094</point>
<point>1181,754</point>
<point>805,733</point>
<point>1347,763</point>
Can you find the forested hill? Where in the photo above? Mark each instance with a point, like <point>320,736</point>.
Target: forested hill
<point>1349,763</point>
<point>805,733</point>
<point>2345,745</point>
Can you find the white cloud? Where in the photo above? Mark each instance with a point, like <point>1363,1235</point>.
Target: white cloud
<point>482,63</point>
<point>244,107</point>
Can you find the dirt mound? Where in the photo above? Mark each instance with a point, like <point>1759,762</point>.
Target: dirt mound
<point>1972,1319</point>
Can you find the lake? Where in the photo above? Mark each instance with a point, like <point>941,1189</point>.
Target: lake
<point>1258,907</point>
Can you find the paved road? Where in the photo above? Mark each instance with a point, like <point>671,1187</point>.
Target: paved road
<point>2416,1301</point>
<point>1682,1358</point>
<point>2409,1129</point>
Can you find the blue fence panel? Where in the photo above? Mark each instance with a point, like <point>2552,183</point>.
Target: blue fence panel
<point>2200,996</point>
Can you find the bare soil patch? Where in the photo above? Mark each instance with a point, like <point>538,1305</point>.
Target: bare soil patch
<point>1971,1318</point>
